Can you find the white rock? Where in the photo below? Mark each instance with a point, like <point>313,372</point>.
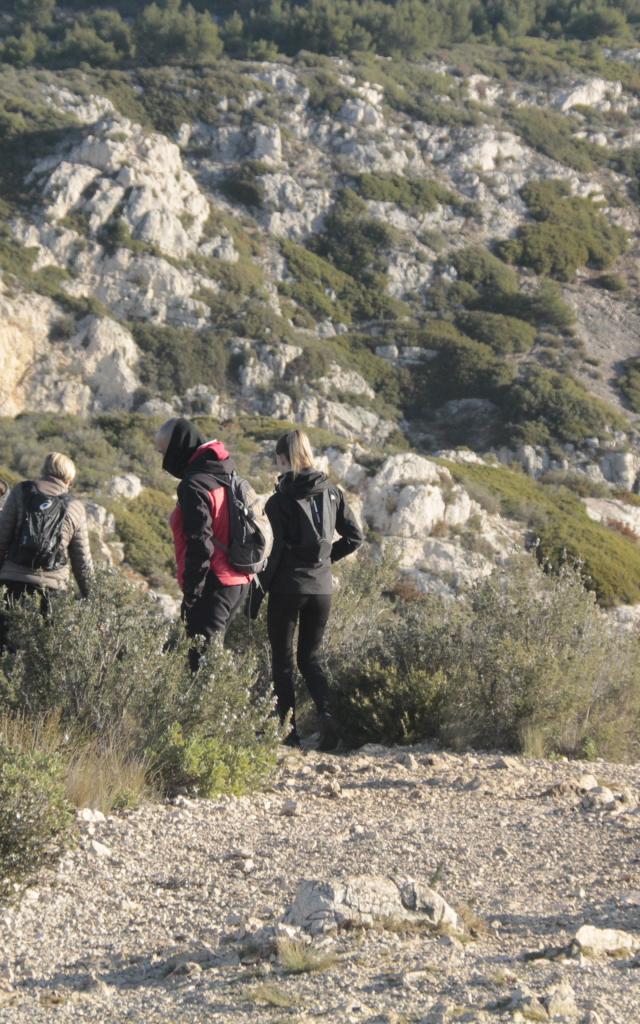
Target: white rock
<point>100,849</point>
<point>127,486</point>
<point>610,941</point>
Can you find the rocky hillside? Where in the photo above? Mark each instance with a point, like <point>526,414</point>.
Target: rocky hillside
<point>386,887</point>
<point>401,257</point>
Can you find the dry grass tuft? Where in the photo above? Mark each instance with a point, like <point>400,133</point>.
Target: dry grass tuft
<point>99,772</point>
<point>298,958</point>
<point>272,995</point>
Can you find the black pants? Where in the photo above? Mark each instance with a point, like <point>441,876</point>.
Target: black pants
<point>311,611</point>
<point>212,612</point>
<point>12,593</point>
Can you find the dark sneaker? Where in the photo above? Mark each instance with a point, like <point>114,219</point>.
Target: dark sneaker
<point>292,740</point>
<point>329,738</point>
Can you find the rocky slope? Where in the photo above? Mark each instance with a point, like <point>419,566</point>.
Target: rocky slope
<point>386,886</point>
<point>158,257</point>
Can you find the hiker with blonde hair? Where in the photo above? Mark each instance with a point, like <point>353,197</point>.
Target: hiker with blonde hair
<point>43,533</point>
<point>305,512</point>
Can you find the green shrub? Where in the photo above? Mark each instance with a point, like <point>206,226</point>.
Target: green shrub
<point>504,334</point>
<point>555,403</point>
<point>522,662</point>
<point>484,271</point>
<point>529,664</point>
<point>143,526</point>
<point>629,382</point>
<point>34,815</point>
<point>465,368</point>
<point>611,282</point>
<point>242,185</point>
<point>328,292</point>
<point>545,307</point>
<point>355,243</point>
<point>114,671</point>
<point>419,194</point>
<point>225,741</point>
<point>609,563</point>
<point>551,134</point>
<point>173,358</point>
<point>569,232</point>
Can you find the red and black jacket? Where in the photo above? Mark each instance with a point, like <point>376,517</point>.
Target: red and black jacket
<point>202,511</point>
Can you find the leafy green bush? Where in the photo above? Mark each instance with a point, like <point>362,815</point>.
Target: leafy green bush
<point>34,814</point>
<point>355,243</point>
<point>504,334</point>
<point>484,271</point>
<point>465,368</point>
<point>143,526</point>
<point>545,307</point>
<point>552,404</point>
<point>328,292</point>
<point>113,669</point>
<point>523,662</point>
<point>629,382</point>
<point>173,358</point>
<point>528,664</point>
<point>419,194</point>
<point>609,563</point>
<point>569,232</point>
<point>551,134</point>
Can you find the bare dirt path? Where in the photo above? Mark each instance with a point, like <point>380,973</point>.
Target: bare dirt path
<point>154,916</point>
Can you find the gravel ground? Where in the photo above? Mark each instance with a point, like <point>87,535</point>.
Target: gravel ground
<point>150,918</point>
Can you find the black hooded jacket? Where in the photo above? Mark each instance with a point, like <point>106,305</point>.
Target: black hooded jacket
<point>292,567</point>
<point>198,477</point>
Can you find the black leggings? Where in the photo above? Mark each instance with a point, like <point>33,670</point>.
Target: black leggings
<point>312,613</point>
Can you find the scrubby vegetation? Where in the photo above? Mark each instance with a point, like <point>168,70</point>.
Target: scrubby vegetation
<point>607,562</point>
<point>524,664</point>
<point>568,232</point>
<point>170,31</point>
<point>411,194</point>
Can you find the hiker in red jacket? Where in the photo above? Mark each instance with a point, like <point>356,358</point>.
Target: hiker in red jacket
<point>212,589</point>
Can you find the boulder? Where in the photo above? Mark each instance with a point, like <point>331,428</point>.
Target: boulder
<point>128,486</point>
<point>329,905</point>
<point>592,941</point>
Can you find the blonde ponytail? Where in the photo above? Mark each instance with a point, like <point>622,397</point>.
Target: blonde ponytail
<point>296,447</point>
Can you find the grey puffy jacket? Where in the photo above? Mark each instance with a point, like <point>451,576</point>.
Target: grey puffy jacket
<point>75,536</point>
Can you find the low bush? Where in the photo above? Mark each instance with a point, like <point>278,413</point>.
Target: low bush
<point>551,134</point>
<point>484,271</point>
<point>545,307</point>
<point>35,817</point>
<point>568,232</point>
<point>174,357</point>
<point>523,663</point>
<point>116,673</point>
<point>503,334</point>
<point>413,194</point>
<point>545,404</point>
<point>629,382</point>
<point>608,563</point>
<point>143,526</point>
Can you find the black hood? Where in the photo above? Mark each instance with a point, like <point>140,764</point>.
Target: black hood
<point>213,459</point>
<point>304,484</point>
<point>185,441</point>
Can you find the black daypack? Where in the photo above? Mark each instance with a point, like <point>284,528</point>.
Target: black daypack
<point>316,514</point>
<point>38,543</point>
<point>250,534</point>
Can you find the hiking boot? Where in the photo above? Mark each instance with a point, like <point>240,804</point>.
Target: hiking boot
<point>292,739</point>
<point>329,737</point>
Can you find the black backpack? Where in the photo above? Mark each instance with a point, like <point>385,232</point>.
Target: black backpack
<point>250,535</point>
<point>38,544</point>
<point>316,524</point>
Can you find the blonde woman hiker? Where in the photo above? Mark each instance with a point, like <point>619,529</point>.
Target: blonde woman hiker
<point>305,512</point>
<point>43,532</point>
